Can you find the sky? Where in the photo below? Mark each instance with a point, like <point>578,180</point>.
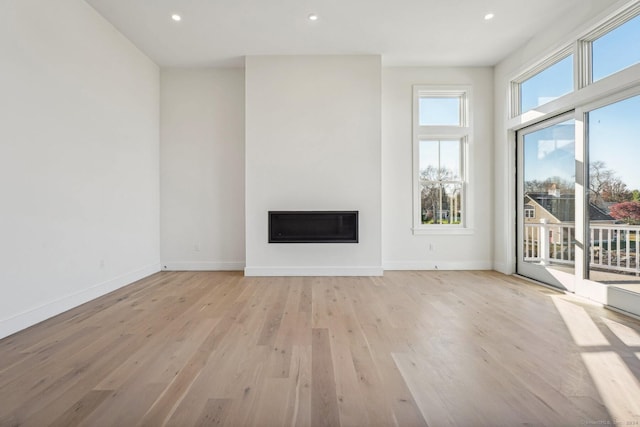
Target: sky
<point>612,52</point>
<point>449,155</point>
<point>617,49</point>
<point>613,135</point>
<point>613,130</point>
<point>439,111</point>
<point>552,83</point>
<point>614,138</point>
<point>550,152</point>
<point>444,153</point>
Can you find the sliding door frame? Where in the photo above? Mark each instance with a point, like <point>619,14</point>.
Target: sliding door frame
<point>584,285</point>
<point>581,284</point>
<point>558,279</point>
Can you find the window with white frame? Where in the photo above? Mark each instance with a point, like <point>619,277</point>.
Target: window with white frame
<point>601,53</point>
<point>441,185</point>
<point>544,83</point>
<point>603,66</point>
<point>608,47</point>
<point>529,211</point>
<point>440,137</point>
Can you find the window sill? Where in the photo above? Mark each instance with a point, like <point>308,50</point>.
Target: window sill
<point>442,231</point>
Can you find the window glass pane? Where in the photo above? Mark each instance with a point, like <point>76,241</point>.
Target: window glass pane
<point>441,199</point>
<point>439,111</point>
<point>452,195</point>
<point>549,170</point>
<point>450,160</point>
<point>441,203</point>
<point>614,151</point>
<point>431,202</point>
<point>614,192</point>
<point>429,159</point>
<point>440,160</point>
<point>547,85</point>
<point>618,49</point>
<point>529,211</point>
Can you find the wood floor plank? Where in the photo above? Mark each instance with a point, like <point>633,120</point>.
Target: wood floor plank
<point>352,408</point>
<point>214,413</point>
<point>411,348</point>
<point>188,362</point>
<point>66,393</point>
<point>81,409</point>
<point>301,372</point>
<point>273,408</point>
<point>324,400</point>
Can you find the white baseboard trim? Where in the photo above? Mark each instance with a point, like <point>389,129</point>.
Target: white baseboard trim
<point>437,265</point>
<point>203,266</point>
<point>623,300</point>
<point>503,268</point>
<point>626,313</point>
<point>313,271</point>
<point>36,315</point>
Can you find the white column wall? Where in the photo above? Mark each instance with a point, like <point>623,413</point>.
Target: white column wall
<point>313,143</point>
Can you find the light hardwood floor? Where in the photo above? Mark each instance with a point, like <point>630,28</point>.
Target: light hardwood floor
<point>408,349</point>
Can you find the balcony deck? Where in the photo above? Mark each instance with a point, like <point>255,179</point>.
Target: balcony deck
<point>613,260</point>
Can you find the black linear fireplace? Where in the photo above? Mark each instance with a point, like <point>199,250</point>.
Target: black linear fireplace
<point>313,226</point>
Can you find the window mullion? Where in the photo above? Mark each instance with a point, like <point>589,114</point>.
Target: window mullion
<point>583,64</point>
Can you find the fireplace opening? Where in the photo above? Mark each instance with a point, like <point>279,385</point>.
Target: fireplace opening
<point>313,226</point>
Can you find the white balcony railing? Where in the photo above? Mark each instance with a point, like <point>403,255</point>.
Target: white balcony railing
<point>614,247</point>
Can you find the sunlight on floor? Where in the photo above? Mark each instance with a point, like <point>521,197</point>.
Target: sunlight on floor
<point>580,325</point>
<point>617,385</point>
<point>624,333</point>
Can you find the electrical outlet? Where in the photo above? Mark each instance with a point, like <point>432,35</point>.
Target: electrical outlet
<point>431,247</point>
<point>101,263</point>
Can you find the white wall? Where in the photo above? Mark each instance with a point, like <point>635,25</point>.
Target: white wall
<point>202,169</point>
<point>401,248</point>
<point>78,160</point>
<point>557,35</point>
<point>313,143</point>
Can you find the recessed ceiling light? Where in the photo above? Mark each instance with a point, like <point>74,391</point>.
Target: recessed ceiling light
<point>488,16</point>
<point>176,17</point>
<point>313,17</point>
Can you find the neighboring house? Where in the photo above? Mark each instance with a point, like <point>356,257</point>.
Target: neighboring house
<point>556,208</point>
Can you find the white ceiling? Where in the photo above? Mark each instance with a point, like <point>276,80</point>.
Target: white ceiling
<point>404,32</point>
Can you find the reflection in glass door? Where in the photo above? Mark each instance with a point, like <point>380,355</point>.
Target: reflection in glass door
<point>546,202</point>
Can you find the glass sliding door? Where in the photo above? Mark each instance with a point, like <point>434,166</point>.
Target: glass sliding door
<point>546,202</point>
<point>613,196</point>
<point>576,114</point>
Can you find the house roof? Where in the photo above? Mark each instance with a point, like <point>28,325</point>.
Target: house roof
<point>597,214</point>
<point>562,207</point>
